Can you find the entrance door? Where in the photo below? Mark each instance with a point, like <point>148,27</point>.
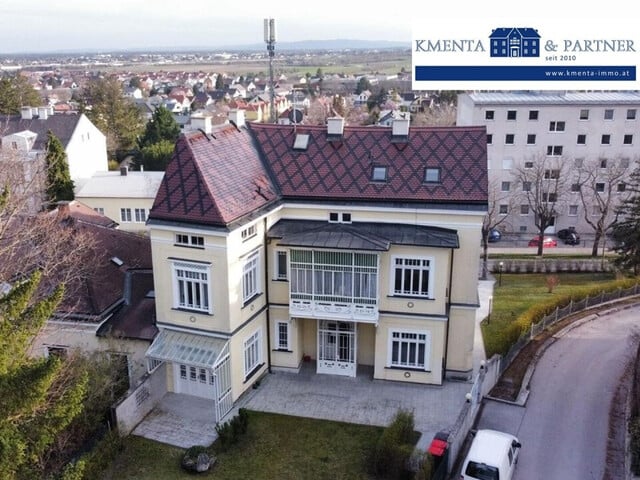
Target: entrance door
<point>337,348</point>
<point>195,381</point>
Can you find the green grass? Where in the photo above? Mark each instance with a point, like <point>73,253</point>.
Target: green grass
<point>519,292</point>
<point>274,447</point>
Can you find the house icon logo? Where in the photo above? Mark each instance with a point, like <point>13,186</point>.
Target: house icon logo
<point>515,42</point>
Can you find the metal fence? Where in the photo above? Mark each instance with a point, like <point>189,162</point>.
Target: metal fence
<point>563,312</point>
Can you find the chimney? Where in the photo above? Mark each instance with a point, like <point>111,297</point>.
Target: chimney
<point>335,128</point>
<point>123,171</point>
<point>43,113</point>
<point>400,129</point>
<point>237,116</point>
<point>26,113</point>
<point>199,122</point>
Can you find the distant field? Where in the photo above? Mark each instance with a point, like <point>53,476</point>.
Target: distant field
<point>370,63</point>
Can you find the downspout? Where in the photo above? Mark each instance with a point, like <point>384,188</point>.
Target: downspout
<point>448,311</point>
<point>266,293</point>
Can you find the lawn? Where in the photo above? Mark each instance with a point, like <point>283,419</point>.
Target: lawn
<point>274,447</point>
<point>518,292</point>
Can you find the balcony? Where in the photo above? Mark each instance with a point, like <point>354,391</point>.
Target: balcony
<point>365,310</point>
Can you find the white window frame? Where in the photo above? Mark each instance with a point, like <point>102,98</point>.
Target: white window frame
<point>283,335</point>
<point>99,210</point>
<point>186,240</point>
<point>278,274</point>
<point>251,277</point>
<point>252,352</point>
<point>198,285</point>
<point>249,232</point>
<point>125,215</point>
<point>573,211</point>
<point>140,215</point>
<point>395,336</point>
<point>421,267</point>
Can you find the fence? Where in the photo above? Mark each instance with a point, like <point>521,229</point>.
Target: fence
<point>483,383</point>
<point>561,313</point>
<point>549,265</point>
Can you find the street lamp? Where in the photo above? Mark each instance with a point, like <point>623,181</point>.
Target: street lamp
<point>500,265</point>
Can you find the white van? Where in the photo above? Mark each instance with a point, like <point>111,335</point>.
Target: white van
<point>492,456</point>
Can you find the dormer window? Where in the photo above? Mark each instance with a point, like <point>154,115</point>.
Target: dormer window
<point>432,175</point>
<point>379,174</point>
<point>301,141</point>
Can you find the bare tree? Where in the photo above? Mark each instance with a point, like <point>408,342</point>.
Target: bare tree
<point>437,115</point>
<point>542,180</point>
<point>495,217</point>
<point>601,184</point>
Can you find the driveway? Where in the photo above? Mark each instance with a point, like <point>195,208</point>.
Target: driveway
<point>564,427</point>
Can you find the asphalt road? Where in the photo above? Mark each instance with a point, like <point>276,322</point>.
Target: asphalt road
<point>564,426</point>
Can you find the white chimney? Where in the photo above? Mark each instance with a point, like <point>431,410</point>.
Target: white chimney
<point>43,113</point>
<point>200,122</point>
<point>400,127</point>
<point>26,114</point>
<point>237,116</point>
<point>335,126</point>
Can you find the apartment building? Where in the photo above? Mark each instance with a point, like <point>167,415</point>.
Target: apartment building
<point>594,131</point>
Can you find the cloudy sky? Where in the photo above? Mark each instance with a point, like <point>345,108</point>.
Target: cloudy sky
<point>50,25</point>
<point>54,25</point>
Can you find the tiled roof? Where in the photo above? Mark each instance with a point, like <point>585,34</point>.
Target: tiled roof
<point>62,127</point>
<point>342,169</point>
<point>216,179</point>
<point>213,179</point>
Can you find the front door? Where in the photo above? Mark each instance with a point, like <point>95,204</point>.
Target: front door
<point>337,348</point>
<point>196,381</point>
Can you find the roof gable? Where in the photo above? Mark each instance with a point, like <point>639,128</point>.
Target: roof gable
<point>62,126</point>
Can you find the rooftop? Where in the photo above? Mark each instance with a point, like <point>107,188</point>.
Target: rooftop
<point>116,185</point>
<point>560,98</point>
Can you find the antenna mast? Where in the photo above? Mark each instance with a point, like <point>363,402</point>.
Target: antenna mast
<point>270,40</point>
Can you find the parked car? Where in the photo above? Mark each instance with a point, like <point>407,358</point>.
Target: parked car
<point>569,235</point>
<point>492,455</point>
<point>494,235</point>
<point>546,242</point>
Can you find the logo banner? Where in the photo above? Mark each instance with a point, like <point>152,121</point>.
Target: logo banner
<point>524,55</point>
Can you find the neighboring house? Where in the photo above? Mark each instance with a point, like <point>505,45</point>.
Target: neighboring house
<point>123,196</point>
<point>344,246</point>
<point>361,98</point>
<point>387,117</point>
<point>84,144</point>
<point>578,127</point>
<point>112,310</point>
<point>22,168</point>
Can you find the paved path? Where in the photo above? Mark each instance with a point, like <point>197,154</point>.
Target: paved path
<point>564,427</point>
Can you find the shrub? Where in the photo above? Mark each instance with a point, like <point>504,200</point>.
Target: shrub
<point>634,431</point>
<point>394,448</point>
<point>197,459</point>
<point>230,431</point>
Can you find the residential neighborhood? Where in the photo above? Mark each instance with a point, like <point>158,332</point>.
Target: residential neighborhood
<point>309,245</point>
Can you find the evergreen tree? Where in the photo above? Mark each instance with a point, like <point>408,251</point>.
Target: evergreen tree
<point>363,84</point>
<point>59,183</point>
<point>626,231</point>
<point>16,92</point>
<point>40,397</point>
<point>219,82</point>
<point>156,156</point>
<point>162,126</point>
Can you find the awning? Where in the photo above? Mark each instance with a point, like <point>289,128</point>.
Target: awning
<point>186,348</point>
<point>367,236</point>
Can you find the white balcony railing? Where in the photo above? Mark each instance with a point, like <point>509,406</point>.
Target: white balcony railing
<point>360,312</point>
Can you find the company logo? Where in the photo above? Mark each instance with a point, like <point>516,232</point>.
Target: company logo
<point>514,42</point>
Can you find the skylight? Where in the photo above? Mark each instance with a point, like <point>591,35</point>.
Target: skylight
<point>301,142</point>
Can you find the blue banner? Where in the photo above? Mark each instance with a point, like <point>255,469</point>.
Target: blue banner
<point>525,73</point>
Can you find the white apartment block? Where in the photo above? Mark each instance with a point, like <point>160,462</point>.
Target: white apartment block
<point>575,127</point>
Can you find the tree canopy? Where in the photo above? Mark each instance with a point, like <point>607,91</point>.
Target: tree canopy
<point>15,93</point>
<point>59,183</point>
<point>157,142</point>
<point>103,101</point>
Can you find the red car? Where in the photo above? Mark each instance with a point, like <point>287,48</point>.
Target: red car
<point>547,242</point>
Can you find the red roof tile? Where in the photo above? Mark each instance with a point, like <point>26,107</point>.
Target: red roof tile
<point>216,179</point>
<point>213,179</point>
<point>343,169</point>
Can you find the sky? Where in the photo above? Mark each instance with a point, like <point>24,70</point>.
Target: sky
<point>53,25</point>
<point>34,26</point>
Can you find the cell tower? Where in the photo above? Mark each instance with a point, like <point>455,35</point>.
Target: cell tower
<point>270,40</point>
